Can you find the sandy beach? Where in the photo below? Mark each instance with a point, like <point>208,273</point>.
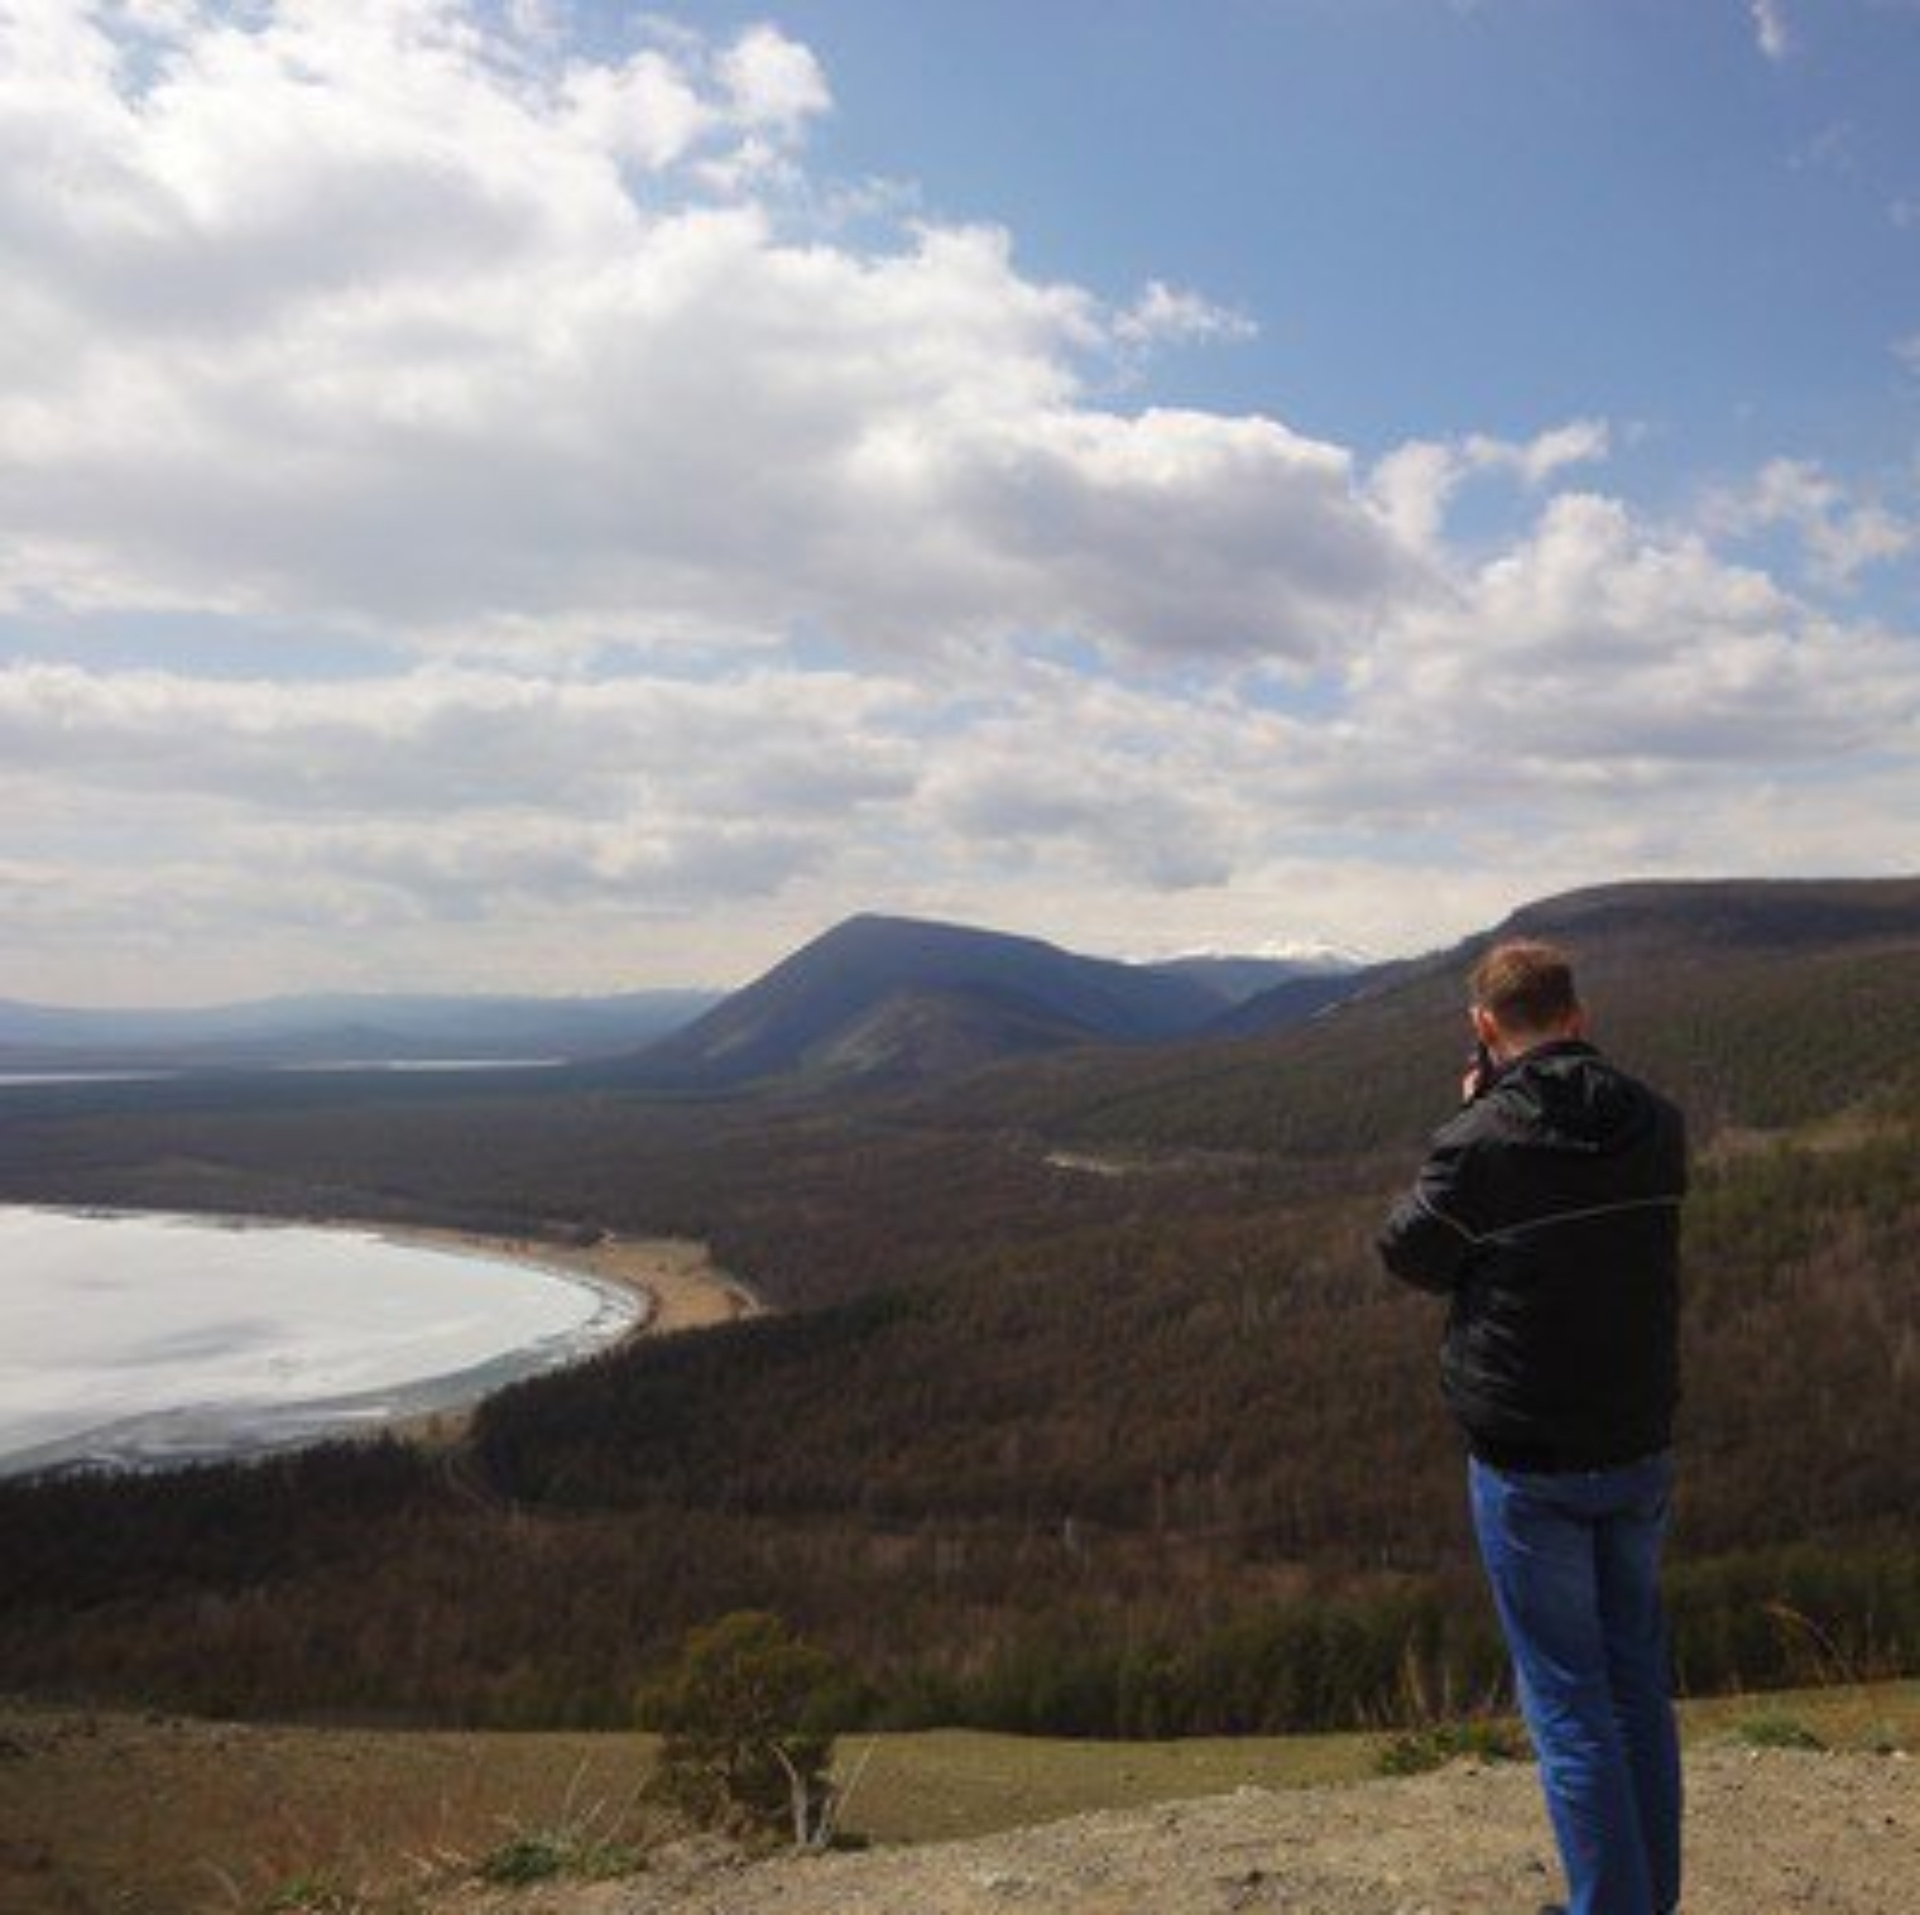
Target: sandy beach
<point>677,1278</point>
<point>679,1284</point>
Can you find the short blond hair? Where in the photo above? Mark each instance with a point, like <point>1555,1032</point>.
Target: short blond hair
<point>1525,985</point>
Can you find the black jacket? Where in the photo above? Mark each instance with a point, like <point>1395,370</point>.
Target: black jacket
<point>1549,1211</point>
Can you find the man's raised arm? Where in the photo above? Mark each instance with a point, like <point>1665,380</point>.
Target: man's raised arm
<point>1425,1239</point>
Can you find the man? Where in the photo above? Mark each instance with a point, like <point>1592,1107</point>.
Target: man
<point>1548,1211</point>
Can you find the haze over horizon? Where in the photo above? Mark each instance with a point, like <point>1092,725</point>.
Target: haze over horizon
<point>1303,956</point>
<point>544,496</point>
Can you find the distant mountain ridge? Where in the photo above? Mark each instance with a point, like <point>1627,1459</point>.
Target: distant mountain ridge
<point>1753,914</point>
<point>341,1028</point>
<point>905,999</point>
<point>1293,1001</point>
<point>1630,925</point>
<point>876,997</point>
<point>1755,1001</point>
<point>1238,980</point>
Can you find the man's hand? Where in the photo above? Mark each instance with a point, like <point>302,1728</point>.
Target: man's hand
<point>1480,1072</point>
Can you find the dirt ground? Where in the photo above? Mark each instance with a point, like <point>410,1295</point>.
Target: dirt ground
<point>132,1815</point>
<point>1771,1832</point>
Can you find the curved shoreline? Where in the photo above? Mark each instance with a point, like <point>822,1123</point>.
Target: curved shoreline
<point>679,1284</point>
<point>676,1276</point>
<point>674,1282</point>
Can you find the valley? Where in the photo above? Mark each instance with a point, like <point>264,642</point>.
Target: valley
<point>1028,1445</point>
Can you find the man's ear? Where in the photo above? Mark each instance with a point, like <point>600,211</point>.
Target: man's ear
<point>1484,1028</point>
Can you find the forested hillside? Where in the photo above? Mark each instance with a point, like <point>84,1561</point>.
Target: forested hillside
<point>1088,1407</point>
<point>899,999</point>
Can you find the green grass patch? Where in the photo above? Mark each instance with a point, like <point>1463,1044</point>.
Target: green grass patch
<point>314,1895</point>
<point>548,1855</point>
<point>1878,1718</point>
<point>936,1784</point>
<point>1483,1739</point>
<point>1776,1730</point>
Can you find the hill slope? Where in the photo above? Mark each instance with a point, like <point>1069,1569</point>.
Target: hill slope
<point>901,998</point>
<point>1237,980</point>
<point>1832,1835</point>
<point>1292,1001</point>
<point>361,1811</point>
<point>1758,1003</point>
<point>1086,1406</point>
<point>1751,915</point>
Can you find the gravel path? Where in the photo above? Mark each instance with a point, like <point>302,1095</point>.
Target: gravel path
<point>1770,1833</point>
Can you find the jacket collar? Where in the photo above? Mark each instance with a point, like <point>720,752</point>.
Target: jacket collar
<point>1540,1053</point>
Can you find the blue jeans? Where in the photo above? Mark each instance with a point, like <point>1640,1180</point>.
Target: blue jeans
<point>1574,1561</point>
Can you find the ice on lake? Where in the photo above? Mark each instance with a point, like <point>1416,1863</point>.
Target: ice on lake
<point>136,1339</point>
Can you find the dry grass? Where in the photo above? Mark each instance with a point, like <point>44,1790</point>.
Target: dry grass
<point>158,1816</point>
<point>129,1813</point>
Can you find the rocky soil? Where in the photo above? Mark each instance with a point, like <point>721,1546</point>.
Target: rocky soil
<point>1771,1832</point>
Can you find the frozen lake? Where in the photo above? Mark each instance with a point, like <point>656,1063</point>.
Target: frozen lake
<point>135,1339</point>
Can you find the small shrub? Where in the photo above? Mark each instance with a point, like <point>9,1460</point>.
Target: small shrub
<point>747,1716</point>
<point>1417,1751</point>
<point>580,1842</point>
<point>543,1855</point>
<point>524,1859</point>
<point>1776,1730</point>
<point>314,1895</point>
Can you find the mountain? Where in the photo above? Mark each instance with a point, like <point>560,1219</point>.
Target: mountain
<point>1757,1002</point>
<point>906,999</point>
<point>1293,1000</point>
<point>339,1029</point>
<point>1753,915</point>
<point>1628,925</point>
<point>1083,1404</point>
<point>1238,980</point>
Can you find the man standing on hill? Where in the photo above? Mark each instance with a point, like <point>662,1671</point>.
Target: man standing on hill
<point>1548,1211</point>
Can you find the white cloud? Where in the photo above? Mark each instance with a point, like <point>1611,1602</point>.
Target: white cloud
<point>1579,442</point>
<point>1770,28</point>
<point>774,82</point>
<point>300,283</point>
<point>644,110</point>
<point>238,820</point>
<point>1599,697</point>
<point>1416,483</point>
<point>458,744</point>
<point>1602,655</point>
<point>1841,535</point>
<point>559,382</point>
<point>1164,314</point>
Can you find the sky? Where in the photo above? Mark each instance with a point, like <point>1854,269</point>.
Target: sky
<point>550,495</point>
